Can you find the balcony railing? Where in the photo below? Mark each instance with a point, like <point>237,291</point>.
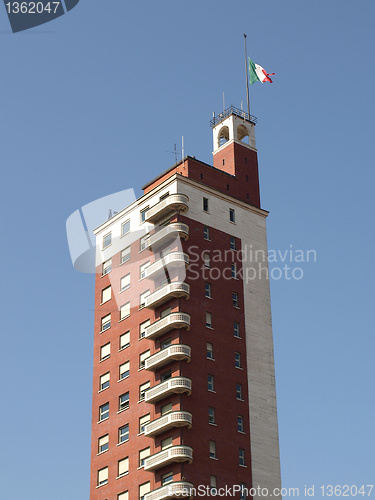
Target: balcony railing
<point>173,203</point>
<point>167,234</point>
<point>171,353</point>
<point>170,261</point>
<point>165,293</point>
<point>175,489</point>
<point>173,454</point>
<point>164,325</point>
<point>174,385</point>
<point>173,419</point>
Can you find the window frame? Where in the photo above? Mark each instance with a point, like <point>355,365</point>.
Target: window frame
<point>122,227</point>
<point>105,243</point>
<point>122,434</point>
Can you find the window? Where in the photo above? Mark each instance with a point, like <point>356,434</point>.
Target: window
<point>163,196</point>
<point>106,322</point>
<point>143,490</point>
<point>142,298</point>
<point>125,227</point>
<point>166,408</point>
<point>142,269</point>
<point>143,454</point>
<point>207,260</point>
<point>125,255</point>
<point>232,215</point>
<point>243,488</point>
<point>123,466</point>
<point>211,415</point>
<point>213,484</point>
<point>142,358</point>
<point>103,412</point>
<point>210,351</point>
<point>232,243</point>
<point>105,351</point>
<point>166,443</point>
<point>211,386</point>
<point>107,240</point>
<point>237,360</point>
<point>206,233</point>
<point>143,242</point>
<point>165,344</point>
<point>236,329</point>
<point>124,370</point>
<point>166,375</point>
<point>240,425</point>
<point>103,443</point>
<point>143,214</point>
<point>212,449</point>
<point>143,421</point>
<point>167,478</point>
<point>124,340</point>
<point>142,389</point>
<point>234,270</point>
<point>123,433</point>
<point>125,311</point>
<point>125,282</point>
<point>123,496</point>
<point>107,267</point>
<point>241,456</point>
<point>165,312</point>
<point>123,401</point>
<point>239,391</point>
<point>103,476</point>
<point>142,328</point>
<point>207,290</point>
<point>106,294</point>
<point>208,320</point>
<point>104,381</point>
<point>235,299</point>
<point>205,204</point>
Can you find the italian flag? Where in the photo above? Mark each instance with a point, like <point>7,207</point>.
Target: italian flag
<point>258,74</point>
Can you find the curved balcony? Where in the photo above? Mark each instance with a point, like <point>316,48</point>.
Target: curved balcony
<point>174,385</point>
<point>172,419</point>
<point>174,352</point>
<point>172,203</point>
<point>167,292</point>
<point>175,489</point>
<point>167,234</point>
<point>171,261</point>
<point>178,453</point>
<point>164,325</point>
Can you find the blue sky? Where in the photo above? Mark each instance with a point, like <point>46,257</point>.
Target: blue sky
<point>91,104</point>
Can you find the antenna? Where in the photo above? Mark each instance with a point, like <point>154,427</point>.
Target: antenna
<point>183,149</point>
<point>223,102</point>
<point>174,152</point>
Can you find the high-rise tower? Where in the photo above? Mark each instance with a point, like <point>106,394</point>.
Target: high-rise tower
<point>184,385</point>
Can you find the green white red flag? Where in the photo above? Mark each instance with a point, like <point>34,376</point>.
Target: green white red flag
<point>258,74</point>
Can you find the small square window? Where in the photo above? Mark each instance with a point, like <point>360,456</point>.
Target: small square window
<point>211,385</point>
<point>125,255</point>
<point>104,381</point>
<point>208,320</point>
<point>236,329</point>
<point>123,433</point>
<point>237,360</point>
<point>232,215</point>
<point>107,267</point>
<point>103,412</point>
<point>210,351</point>
<point>241,456</point>
<point>240,424</point>
<point>167,478</point>
<point>125,227</point>
<point>143,214</point>
<point>103,443</point>
<point>107,240</point>
<point>205,204</point>
<point>232,243</point>
<point>235,299</point>
<point>239,391</point>
<point>207,290</point>
<point>211,415</point>
<point>206,233</point>
<point>212,449</point>
<point>125,340</point>
<point>123,401</point>
<point>103,476</point>
<point>106,322</point>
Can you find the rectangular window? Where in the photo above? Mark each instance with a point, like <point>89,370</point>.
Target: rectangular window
<point>166,443</point>
<point>103,476</point>
<point>167,478</point>
<point>207,260</point>
<point>163,196</point>
<point>124,340</point>
<point>211,385</point>
<point>123,466</point>
<point>206,233</point>
<point>212,449</point>
<point>235,299</point>
<point>143,268</point>
<point>123,433</point>
<point>243,491</point>
<point>165,344</point>
<point>143,490</point>
<point>124,370</point>
<point>143,454</point>
<point>208,320</point>
<point>211,415</point>
<point>166,376</point>
<point>143,242</point>
<point>213,484</point>
<point>105,351</point>
<point>210,351</point>
<point>142,358</point>
<point>125,227</point>
<point>165,312</point>
<point>123,496</point>
<point>205,204</point>
<point>125,311</point>
<point>125,282</point>
<point>104,381</point>
<point>106,294</point>
<point>142,328</point>
<point>125,255</point>
<point>107,240</point>
<point>103,412</point>
<point>232,243</point>
<point>142,298</point>
<point>239,391</point>
<point>207,290</point>
<point>234,270</point>
<point>106,322</point>
<point>143,421</point>
<point>241,456</point>
<point>123,401</point>
<point>107,267</point>
<point>236,329</point>
<point>143,214</point>
<point>240,425</point>
<point>103,443</point>
<point>142,389</point>
<point>237,360</point>
<point>232,215</point>
<point>166,408</point>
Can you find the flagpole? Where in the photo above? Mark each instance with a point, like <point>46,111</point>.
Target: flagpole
<point>247,77</point>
